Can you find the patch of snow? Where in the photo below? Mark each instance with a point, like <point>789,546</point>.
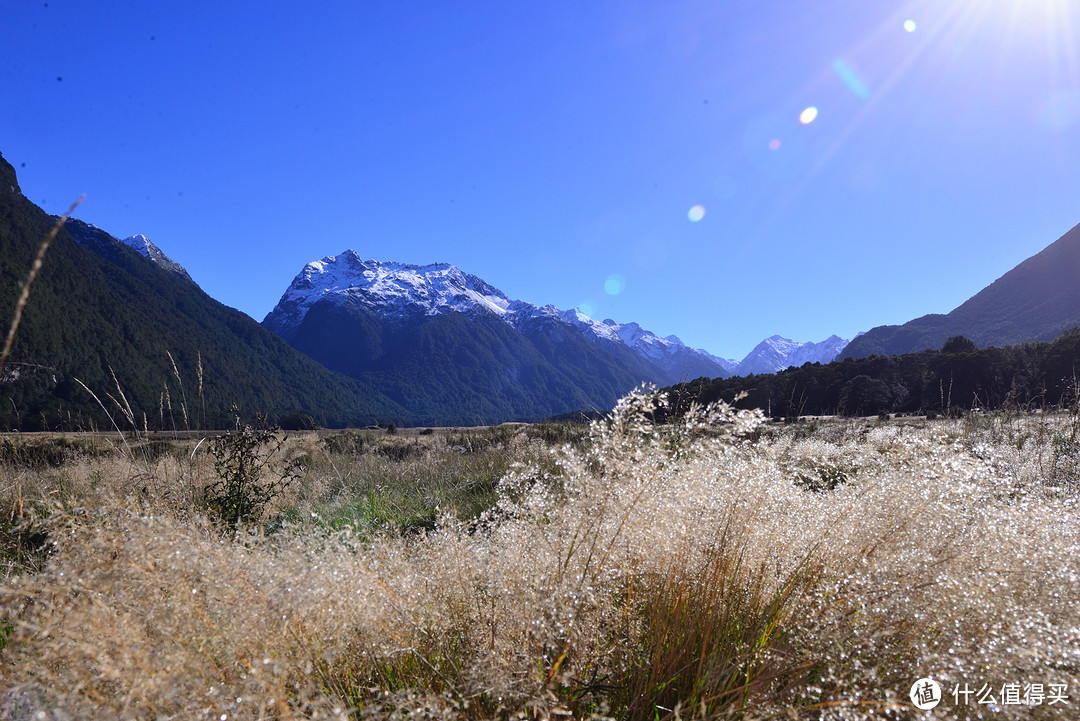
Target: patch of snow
<point>142,244</point>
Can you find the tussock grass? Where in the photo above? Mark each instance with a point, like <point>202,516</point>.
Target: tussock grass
<point>649,572</point>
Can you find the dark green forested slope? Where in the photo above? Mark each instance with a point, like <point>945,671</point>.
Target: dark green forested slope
<point>89,312</point>
<point>1035,301</point>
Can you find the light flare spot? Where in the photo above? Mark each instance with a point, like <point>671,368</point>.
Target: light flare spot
<point>807,116</point>
<point>909,25</point>
<point>614,284</point>
<point>586,308</point>
<point>696,213</point>
<point>774,144</point>
<point>851,79</point>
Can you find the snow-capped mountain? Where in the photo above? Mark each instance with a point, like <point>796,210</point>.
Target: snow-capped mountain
<point>393,290</point>
<point>147,249</point>
<point>97,240</point>
<point>776,353</point>
<point>400,292</point>
<point>671,353</point>
<point>452,348</point>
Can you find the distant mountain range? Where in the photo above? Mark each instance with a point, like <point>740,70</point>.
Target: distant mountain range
<point>1035,301</point>
<point>394,342</point>
<point>775,354</point>
<point>356,341</point>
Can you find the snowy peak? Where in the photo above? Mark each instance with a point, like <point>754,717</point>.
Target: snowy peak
<point>105,245</point>
<point>388,288</point>
<point>398,291</point>
<point>142,245</point>
<point>776,353</point>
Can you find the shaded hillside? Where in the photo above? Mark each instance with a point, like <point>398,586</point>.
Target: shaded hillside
<point>1037,300</point>
<point>461,369</point>
<point>101,305</point>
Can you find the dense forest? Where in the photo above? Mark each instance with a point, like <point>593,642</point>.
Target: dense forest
<point>955,379</point>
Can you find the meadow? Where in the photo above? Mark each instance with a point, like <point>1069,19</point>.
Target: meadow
<point>717,566</point>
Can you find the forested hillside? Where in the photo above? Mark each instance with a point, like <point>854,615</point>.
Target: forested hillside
<point>95,314</point>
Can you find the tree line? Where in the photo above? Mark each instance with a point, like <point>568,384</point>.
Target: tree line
<point>957,378</point>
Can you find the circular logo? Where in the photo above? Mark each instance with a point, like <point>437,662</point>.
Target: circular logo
<point>925,693</point>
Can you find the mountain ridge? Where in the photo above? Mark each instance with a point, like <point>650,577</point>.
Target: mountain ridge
<point>1037,300</point>
<point>776,353</point>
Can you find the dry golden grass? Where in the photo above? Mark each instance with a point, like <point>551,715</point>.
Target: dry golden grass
<point>655,572</point>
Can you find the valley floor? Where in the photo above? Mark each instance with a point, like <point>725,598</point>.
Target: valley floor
<point>715,567</point>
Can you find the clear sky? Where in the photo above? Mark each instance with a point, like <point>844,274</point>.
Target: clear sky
<point>646,161</point>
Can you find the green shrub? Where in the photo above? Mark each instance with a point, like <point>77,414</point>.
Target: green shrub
<point>242,462</point>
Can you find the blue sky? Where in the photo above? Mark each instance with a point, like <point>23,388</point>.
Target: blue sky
<point>565,151</point>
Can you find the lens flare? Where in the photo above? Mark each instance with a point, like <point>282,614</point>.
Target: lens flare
<point>851,79</point>
<point>807,116</point>
<point>909,25</point>
<point>586,308</point>
<point>614,284</point>
<point>762,141</point>
<point>696,213</point>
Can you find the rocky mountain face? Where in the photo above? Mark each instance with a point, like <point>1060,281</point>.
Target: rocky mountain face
<point>1037,300</point>
<point>449,345</point>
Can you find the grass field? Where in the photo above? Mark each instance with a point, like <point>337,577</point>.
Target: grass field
<point>718,567</point>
